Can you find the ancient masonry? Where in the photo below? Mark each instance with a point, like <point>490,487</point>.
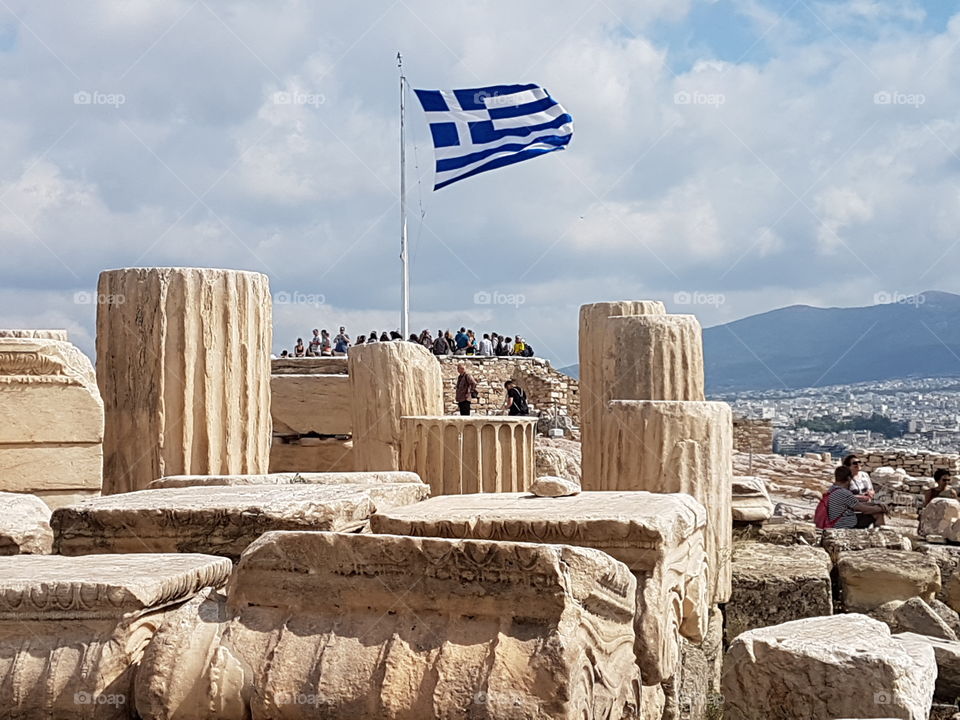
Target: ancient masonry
<point>915,464</point>
<point>183,363</point>
<point>204,586</point>
<point>752,435</point>
<point>51,418</point>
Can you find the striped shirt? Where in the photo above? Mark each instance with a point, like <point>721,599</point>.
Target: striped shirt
<point>840,507</point>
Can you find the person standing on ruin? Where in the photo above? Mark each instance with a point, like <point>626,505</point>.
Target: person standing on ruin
<point>466,389</point>
<point>486,346</point>
<point>860,485</point>
<point>341,343</point>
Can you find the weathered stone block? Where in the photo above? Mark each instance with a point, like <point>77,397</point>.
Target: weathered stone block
<point>458,455</point>
<point>773,584</point>
<point>659,537</point>
<point>843,666</point>
<point>389,381</point>
<point>51,418</point>
<point>675,447</point>
<point>218,520</point>
<point>326,478</point>
<point>72,630</point>
<point>870,578</point>
<point>302,404</point>
<point>838,542</point>
<point>941,517</point>
<point>750,501</point>
<point>913,615</point>
<point>408,628</point>
<point>24,525</point>
<point>183,362</point>
<point>947,654</point>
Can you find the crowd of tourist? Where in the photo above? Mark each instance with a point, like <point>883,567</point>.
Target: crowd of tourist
<point>849,501</point>
<point>463,342</point>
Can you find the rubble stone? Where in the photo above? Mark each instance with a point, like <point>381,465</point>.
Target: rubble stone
<point>947,653</point>
<point>24,525</point>
<point>839,541</point>
<point>775,584</point>
<point>559,457</point>
<point>751,501</point>
<point>913,615</point>
<point>870,578</point>
<point>941,517</point>
<point>842,666</point>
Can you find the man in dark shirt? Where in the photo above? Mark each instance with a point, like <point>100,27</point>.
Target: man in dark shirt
<point>466,389</point>
<point>516,402</point>
<point>846,510</point>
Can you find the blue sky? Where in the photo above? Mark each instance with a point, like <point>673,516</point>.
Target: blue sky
<point>730,157</point>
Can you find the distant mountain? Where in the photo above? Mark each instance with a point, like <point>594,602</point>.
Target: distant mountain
<point>804,346</point>
<point>571,370</point>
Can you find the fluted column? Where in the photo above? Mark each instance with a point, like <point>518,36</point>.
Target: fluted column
<point>183,364</point>
<point>594,385</point>
<point>460,455</point>
<point>387,381</point>
<point>677,447</point>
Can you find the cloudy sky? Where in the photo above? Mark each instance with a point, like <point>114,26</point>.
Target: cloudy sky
<point>730,157</point>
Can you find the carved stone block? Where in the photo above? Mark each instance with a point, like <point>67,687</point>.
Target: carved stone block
<point>73,630</point>
<point>659,537</point>
<point>324,478</point>
<point>218,520</point>
<point>357,627</point>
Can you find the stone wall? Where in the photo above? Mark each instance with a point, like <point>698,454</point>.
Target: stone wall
<point>915,464</point>
<point>752,435</point>
<point>543,385</point>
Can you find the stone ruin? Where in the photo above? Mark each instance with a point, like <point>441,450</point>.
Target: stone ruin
<point>417,577</point>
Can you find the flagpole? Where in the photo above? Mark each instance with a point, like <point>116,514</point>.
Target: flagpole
<point>404,269</point>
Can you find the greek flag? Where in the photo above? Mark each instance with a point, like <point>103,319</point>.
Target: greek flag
<point>486,128</point>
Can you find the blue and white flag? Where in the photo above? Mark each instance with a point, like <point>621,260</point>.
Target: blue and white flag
<point>486,128</point>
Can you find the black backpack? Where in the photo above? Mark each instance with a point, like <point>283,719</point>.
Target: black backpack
<point>520,402</point>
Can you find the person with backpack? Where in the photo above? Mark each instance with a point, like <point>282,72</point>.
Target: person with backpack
<point>841,508</point>
<point>516,402</point>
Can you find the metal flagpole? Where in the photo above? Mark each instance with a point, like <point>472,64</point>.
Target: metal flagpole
<point>404,270</point>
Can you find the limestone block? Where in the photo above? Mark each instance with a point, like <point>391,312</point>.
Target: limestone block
<point>671,447</point>
<point>36,334</point>
<point>837,542</point>
<point>218,520</point>
<point>389,381</point>
<point>309,366</point>
<point>913,615</point>
<point>659,537</point>
<point>941,517</point>
<point>51,418</point>
<point>324,455</point>
<point>24,525</point>
<point>328,478</point>
<point>72,630</point>
<point>653,357</point>
<point>551,486</point>
<point>948,559</point>
<point>947,654</point>
<point>183,362</point>
<point>468,454</point>
<point>842,666</point>
<point>870,578</point>
<point>408,628</point>
<point>751,501</point>
<point>302,404</point>
<point>555,456</point>
<point>594,386</point>
<point>773,584</point>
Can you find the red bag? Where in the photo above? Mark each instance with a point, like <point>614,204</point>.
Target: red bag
<point>821,516</point>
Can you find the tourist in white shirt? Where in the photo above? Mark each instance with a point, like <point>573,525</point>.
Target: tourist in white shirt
<point>486,346</point>
<point>860,485</point>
